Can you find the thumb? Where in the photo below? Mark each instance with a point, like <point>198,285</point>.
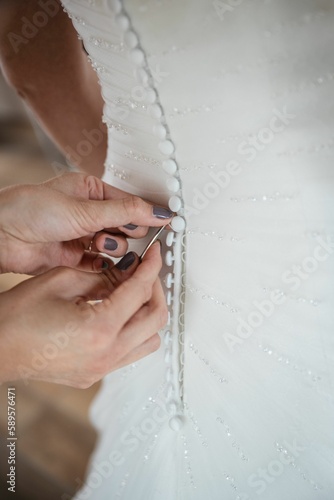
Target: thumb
<point>95,215</point>
<point>73,284</point>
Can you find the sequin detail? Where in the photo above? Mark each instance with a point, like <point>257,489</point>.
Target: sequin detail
<point>105,44</point>
<point>188,110</point>
<point>297,298</point>
<point>142,158</point>
<point>117,172</point>
<point>305,85</point>
<point>150,447</point>
<point>287,361</point>
<point>190,414</point>
<point>292,463</point>
<point>277,196</point>
<point>212,298</point>
<point>123,484</point>
<point>230,436</point>
<point>206,362</point>
<point>187,462</point>
<point>112,125</point>
<point>312,149</point>
<point>99,68</point>
<point>199,166</point>
<point>211,234</point>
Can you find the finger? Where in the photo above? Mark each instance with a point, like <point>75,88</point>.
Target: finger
<point>76,286</point>
<point>148,347</point>
<point>110,244</point>
<point>116,274</point>
<point>151,318</point>
<point>122,271</point>
<point>130,296</point>
<point>92,216</point>
<point>84,186</point>
<point>91,262</point>
<point>130,230</point>
<point>96,206</point>
<point>134,231</point>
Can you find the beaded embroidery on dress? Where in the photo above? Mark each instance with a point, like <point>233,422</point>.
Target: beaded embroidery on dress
<point>224,111</point>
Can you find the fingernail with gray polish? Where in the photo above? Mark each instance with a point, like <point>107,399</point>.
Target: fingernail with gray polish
<point>110,244</point>
<point>131,227</point>
<point>162,213</point>
<point>126,262</point>
<point>105,265</point>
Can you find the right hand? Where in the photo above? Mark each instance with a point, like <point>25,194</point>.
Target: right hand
<point>50,332</point>
<point>51,224</point>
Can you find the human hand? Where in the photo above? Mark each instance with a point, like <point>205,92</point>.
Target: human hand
<point>52,224</point>
<point>50,332</point>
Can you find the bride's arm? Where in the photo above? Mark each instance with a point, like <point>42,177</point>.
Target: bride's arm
<point>49,69</point>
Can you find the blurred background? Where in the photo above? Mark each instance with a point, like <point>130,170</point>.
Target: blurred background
<point>55,437</point>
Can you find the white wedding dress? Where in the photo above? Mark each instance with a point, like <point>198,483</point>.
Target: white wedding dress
<point>224,111</point>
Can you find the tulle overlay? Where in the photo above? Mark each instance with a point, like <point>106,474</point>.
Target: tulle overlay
<point>224,110</point>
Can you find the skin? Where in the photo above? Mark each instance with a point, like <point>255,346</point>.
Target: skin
<point>99,337</point>
<point>52,74</point>
<point>48,225</point>
<point>51,224</point>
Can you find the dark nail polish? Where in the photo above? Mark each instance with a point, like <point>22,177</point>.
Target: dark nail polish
<point>104,265</point>
<point>126,262</point>
<point>130,226</point>
<point>162,213</point>
<point>110,244</point>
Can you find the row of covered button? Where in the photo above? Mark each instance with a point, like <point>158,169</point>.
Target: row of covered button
<point>166,145</point>
<point>167,148</point>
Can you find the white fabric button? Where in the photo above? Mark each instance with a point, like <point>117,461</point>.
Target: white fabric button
<point>169,390</point>
<point>169,258</point>
<point>171,406</point>
<point>142,75</point>
<point>169,166</point>
<point>160,131</point>
<point>123,22</point>
<point>151,95</point>
<point>176,423</point>
<point>167,337</point>
<point>178,223</point>
<point>169,298</point>
<point>169,280</point>
<point>137,56</point>
<point>167,356</point>
<point>170,238</point>
<point>115,5</point>
<point>173,184</point>
<point>174,203</point>
<point>166,147</point>
<point>131,39</point>
<point>169,374</point>
<point>155,110</point>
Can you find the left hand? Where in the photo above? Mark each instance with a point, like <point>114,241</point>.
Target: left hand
<point>51,331</point>
<point>52,224</point>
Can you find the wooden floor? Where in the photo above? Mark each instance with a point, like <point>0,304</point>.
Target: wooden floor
<point>55,437</point>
